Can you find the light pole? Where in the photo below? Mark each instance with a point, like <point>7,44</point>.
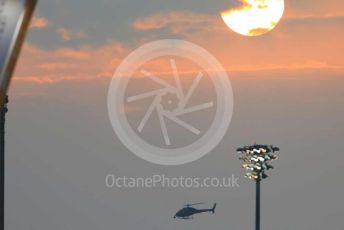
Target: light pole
<point>3,111</point>
<point>257,159</point>
<point>14,21</point>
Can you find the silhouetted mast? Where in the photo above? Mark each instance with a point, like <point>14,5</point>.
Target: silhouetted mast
<point>3,111</point>
<point>257,160</point>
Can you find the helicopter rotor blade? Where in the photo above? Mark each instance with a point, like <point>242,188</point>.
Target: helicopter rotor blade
<point>193,204</point>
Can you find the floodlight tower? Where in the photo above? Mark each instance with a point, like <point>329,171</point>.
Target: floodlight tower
<point>257,160</point>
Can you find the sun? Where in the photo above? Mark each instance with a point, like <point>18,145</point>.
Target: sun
<point>254,17</point>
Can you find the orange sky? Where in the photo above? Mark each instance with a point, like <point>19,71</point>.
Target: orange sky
<point>310,39</point>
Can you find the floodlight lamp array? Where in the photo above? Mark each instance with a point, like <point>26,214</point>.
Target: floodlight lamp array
<point>257,160</point>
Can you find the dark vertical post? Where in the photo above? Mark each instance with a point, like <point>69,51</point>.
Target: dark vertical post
<point>258,204</point>
<point>3,111</point>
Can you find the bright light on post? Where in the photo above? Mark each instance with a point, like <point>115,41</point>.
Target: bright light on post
<point>257,160</point>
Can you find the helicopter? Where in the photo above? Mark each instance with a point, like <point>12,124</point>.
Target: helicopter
<point>188,211</point>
